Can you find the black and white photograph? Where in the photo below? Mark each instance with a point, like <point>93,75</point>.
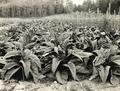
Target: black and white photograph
<point>59,45</point>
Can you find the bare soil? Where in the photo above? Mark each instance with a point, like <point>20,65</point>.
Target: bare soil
<point>54,86</point>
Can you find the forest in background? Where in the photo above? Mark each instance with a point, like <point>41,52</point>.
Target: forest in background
<point>40,8</point>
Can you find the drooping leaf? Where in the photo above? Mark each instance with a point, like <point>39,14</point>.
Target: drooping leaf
<point>77,55</point>
<point>116,71</point>
<point>114,80</point>
<point>47,54</point>
<point>94,73</point>
<point>94,45</point>
<point>30,45</point>
<point>45,49</point>
<point>12,54</point>
<point>9,46</point>
<point>2,61</point>
<point>113,49</point>
<point>26,67</point>
<point>35,72</point>
<point>105,53</point>
<point>61,77</point>
<point>35,60</point>
<point>103,72</point>
<point>82,70</point>
<point>10,65</point>
<point>80,54</point>
<point>27,53</point>
<point>56,49</point>
<point>49,44</point>
<point>72,69</point>
<point>55,64</point>
<point>116,59</point>
<point>98,60</point>
<point>18,45</point>
<point>10,73</point>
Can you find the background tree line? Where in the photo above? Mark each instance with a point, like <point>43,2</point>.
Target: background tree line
<point>33,8</point>
<point>104,6</point>
<point>39,8</point>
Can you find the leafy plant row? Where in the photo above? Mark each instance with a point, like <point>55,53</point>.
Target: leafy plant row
<point>36,50</point>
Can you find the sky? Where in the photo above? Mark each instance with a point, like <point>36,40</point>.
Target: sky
<point>79,2</point>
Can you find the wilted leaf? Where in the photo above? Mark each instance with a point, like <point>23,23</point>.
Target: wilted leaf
<point>72,69</point>
<point>55,64</point>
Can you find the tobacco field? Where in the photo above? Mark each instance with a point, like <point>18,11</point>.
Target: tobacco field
<point>61,51</point>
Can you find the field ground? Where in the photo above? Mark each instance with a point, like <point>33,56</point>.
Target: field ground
<point>54,86</point>
<point>76,18</point>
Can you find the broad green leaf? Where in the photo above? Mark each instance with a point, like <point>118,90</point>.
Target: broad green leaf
<point>10,65</point>
<point>94,45</point>
<point>35,60</point>
<point>27,53</point>
<point>12,54</point>
<point>82,70</point>
<point>30,45</point>
<point>26,66</point>
<point>98,61</point>
<point>18,45</point>
<point>61,77</point>
<point>55,64</point>
<point>56,50</point>
<point>116,72</point>
<point>10,73</point>
<point>113,49</point>
<point>103,72</point>
<point>72,69</point>
<point>94,73</point>
<point>46,54</point>
<point>10,46</point>
<point>35,72</point>
<point>80,54</point>
<point>49,44</point>
<point>114,80</point>
<point>2,61</point>
<point>45,49</point>
<point>116,59</point>
<point>105,53</point>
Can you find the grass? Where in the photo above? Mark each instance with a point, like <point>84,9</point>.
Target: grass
<point>84,19</point>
